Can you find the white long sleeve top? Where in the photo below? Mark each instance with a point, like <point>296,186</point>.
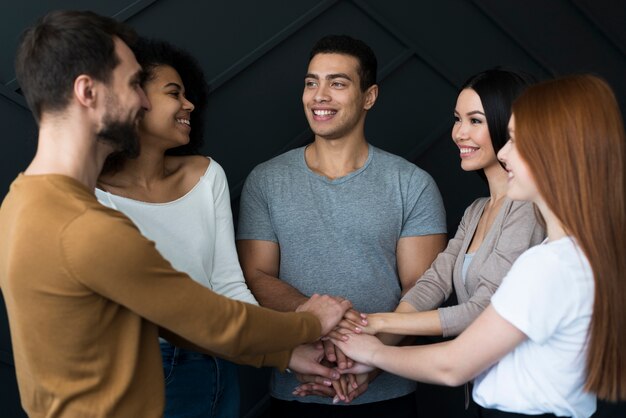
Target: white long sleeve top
<point>194,233</point>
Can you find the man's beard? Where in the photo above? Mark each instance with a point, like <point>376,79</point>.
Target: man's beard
<point>122,135</point>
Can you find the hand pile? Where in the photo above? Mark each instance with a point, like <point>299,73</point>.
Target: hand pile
<point>353,378</point>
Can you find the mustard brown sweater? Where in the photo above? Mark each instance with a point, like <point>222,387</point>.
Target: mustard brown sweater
<point>86,295</point>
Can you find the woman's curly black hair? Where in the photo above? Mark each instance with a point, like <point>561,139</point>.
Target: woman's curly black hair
<point>153,53</point>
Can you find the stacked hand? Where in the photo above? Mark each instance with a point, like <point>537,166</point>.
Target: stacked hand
<point>354,378</point>
<point>328,309</point>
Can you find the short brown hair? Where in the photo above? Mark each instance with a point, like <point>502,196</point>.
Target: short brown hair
<point>61,46</point>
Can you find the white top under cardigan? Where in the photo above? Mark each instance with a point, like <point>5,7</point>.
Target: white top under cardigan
<point>194,232</point>
<point>548,295</point>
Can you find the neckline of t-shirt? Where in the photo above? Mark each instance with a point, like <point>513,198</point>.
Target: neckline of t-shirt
<point>347,177</point>
<point>156,204</point>
<point>565,239</point>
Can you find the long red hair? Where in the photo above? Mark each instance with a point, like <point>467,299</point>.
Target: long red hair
<point>571,134</point>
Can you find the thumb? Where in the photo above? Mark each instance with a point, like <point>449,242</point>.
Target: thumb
<point>346,304</point>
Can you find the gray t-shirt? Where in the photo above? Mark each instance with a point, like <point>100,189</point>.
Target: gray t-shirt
<point>339,236</point>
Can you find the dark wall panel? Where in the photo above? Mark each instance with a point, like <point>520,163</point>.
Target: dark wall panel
<point>608,17</point>
<point>221,34</point>
<point>9,396</point>
<point>402,128</point>
<point>455,36</point>
<point>561,35</point>
<point>19,141</point>
<point>18,15</point>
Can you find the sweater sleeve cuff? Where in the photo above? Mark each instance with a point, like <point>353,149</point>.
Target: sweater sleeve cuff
<point>280,360</point>
<point>313,328</point>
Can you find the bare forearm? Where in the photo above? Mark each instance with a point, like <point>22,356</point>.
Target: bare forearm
<point>407,323</point>
<point>429,364</point>
<point>449,363</point>
<point>274,293</point>
<point>390,339</point>
<point>394,339</point>
<point>260,265</point>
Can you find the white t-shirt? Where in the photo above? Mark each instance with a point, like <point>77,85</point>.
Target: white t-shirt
<point>548,295</point>
<point>194,232</point>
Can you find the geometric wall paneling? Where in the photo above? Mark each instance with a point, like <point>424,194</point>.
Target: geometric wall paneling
<point>608,17</point>
<point>19,141</point>
<point>564,36</point>
<point>256,113</point>
<point>346,17</point>
<point>221,34</point>
<point>10,92</point>
<point>24,13</point>
<point>403,115</point>
<point>458,35</point>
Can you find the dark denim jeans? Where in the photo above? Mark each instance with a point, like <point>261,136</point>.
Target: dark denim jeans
<point>198,385</point>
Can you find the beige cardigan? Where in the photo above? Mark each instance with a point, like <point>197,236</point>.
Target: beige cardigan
<point>514,230</point>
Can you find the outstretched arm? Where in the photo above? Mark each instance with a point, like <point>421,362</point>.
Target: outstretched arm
<point>131,272</point>
<point>518,232</point>
<point>404,321</point>
<point>260,261</point>
<point>450,363</point>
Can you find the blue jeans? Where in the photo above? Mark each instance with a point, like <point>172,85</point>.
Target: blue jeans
<point>198,385</point>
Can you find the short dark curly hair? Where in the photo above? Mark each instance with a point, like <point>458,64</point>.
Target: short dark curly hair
<point>346,45</point>
<point>153,53</point>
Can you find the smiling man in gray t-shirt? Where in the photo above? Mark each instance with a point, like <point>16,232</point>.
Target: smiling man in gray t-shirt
<point>339,217</point>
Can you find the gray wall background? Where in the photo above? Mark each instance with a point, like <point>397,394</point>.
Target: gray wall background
<point>254,55</point>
